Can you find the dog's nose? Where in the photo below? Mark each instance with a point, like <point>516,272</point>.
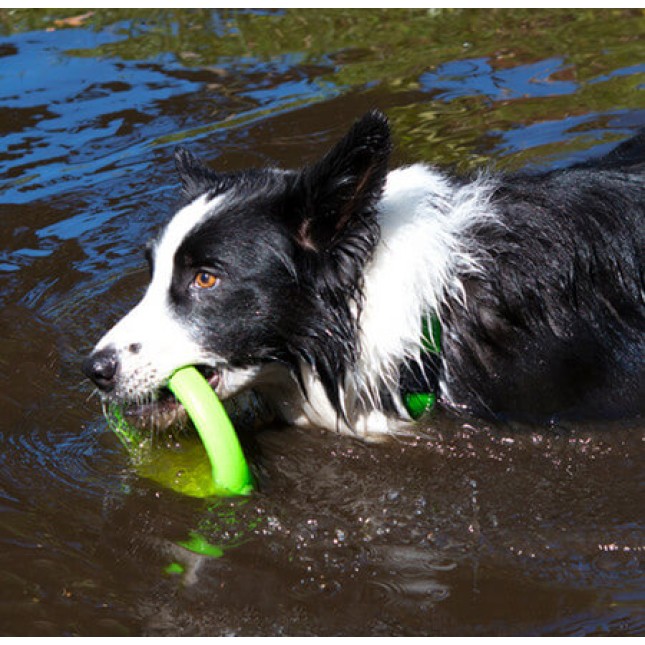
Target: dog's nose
<point>102,367</point>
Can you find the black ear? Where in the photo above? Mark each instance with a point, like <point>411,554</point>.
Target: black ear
<point>342,189</point>
<point>196,177</point>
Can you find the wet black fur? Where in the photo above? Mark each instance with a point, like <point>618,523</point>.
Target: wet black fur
<point>554,326</point>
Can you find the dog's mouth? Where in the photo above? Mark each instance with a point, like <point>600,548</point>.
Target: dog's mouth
<point>164,409</point>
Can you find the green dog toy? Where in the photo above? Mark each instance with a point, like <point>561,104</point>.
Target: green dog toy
<point>221,472</point>
<point>231,475</point>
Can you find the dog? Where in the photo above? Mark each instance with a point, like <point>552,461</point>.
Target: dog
<point>325,290</point>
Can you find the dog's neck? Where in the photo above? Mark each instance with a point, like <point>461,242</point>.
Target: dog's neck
<point>423,255</point>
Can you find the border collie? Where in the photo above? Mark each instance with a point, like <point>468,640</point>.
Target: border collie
<point>313,288</point>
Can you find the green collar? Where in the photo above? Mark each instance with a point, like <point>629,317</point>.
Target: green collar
<point>418,403</point>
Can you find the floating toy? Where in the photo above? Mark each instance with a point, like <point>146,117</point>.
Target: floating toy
<point>217,467</point>
<point>231,475</point>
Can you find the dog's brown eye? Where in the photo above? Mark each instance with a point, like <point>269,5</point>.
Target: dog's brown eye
<point>205,280</point>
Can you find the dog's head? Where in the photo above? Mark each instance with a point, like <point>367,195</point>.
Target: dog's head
<point>259,268</point>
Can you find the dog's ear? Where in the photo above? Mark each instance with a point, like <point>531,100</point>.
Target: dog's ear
<point>342,189</point>
<point>196,177</point>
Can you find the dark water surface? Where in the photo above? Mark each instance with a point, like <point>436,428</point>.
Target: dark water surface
<point>468,529</point>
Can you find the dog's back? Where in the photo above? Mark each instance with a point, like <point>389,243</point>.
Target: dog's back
<point>554,325</point>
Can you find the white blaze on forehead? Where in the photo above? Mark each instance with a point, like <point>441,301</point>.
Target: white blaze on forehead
<point>179,227</point>
<point>151,341</point>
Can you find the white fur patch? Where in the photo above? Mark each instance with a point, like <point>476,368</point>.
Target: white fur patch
<point>424,248</point>
<point>279,386</point>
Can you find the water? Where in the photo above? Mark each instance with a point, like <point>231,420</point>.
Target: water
<point>467,529</point>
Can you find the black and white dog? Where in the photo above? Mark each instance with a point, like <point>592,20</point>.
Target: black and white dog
<point>312,287</point>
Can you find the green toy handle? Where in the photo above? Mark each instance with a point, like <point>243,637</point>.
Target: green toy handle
<point>231,474</point>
